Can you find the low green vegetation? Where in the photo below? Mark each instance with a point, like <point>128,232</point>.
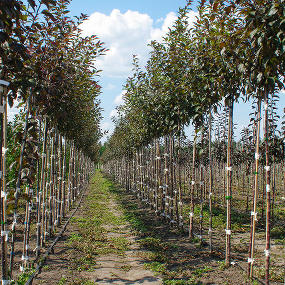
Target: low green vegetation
<point>91,237</point>
<point>181,282</point>
<point>275,274</point>
<point>157,267</point>
<point>24,277</point>
<point>278,232</point>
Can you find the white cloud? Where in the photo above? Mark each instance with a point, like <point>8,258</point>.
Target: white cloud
<point>158,33</point>
<point>114,113</point>
<point>119,99</point>
<point>125,34</point>
<point>105,126</point>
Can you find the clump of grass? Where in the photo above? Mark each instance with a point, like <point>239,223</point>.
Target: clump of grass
<point>79,220</point>
<point>83,281</point>
<point>275,273</point>
<point>278,232</point>
<point>280,241</point>
<point>120,243</point>
<point>190,281</point>
<point>136,223</point>
<point>75,237</point>
<point>156,256</point>
<point>23,277</point>
<point>222,265</point>
<point>200,271</point>
<point>154,244</point>
<point>62,281</point>
<point>126,268</point>
<point>156,267</point>
<point>85,263</point>
<point>45,268</point>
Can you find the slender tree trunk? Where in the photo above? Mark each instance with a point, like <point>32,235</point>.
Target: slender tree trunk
<point>3,144</point>
<point>40,193</point>
<point>64,181</point>
<point>268,201</point>
<point>229,185</point>
<point>18,185</point>
<point>201,199</point>
<point>160,186</point>
<point>60,181</point>
<point>166,178</point>
<point>51,187</point>
<point>273,191</point>
<point>25,255</point>
<point>180,194</point>
<point>201,189</point>
<point>45,185</point>
<point>210,183</point>
<point>191,214</point>
<point>171,171</point>
<point>254,212</point>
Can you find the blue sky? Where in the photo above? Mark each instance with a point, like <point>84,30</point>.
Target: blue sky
<point>154,8</point>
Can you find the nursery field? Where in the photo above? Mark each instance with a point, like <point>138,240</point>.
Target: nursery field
<point>181,191</point>
<point>115,239</point>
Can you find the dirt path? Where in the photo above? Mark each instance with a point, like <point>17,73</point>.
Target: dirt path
<point>98,246</point>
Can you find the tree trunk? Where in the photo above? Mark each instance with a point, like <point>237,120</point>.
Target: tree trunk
<point>254,213</point>
<point>191,214</point>
<point>268,201</point>
<point>18,185</point>
<point>229,185</point>
<point>210,183</point>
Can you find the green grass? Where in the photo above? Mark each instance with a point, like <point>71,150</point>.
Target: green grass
<point>91,238</point>
<point>85,263</point>
<point>62,281</point>
<point>153,244</point>
<point>83,281</point>
<point>181,282</point>
<point>278,232</point>
<point>98,219</point>
<point>275,274</point>
<point>156,267</point>
<point>126,268</point>
<point>23,277</point>
<point>280,241</point>
<point>155,256</point>
<point>200,271</point>
<point>222,265</point>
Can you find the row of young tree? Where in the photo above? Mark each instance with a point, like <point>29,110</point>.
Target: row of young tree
<point>234,52</point>
<point>47,68</point>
